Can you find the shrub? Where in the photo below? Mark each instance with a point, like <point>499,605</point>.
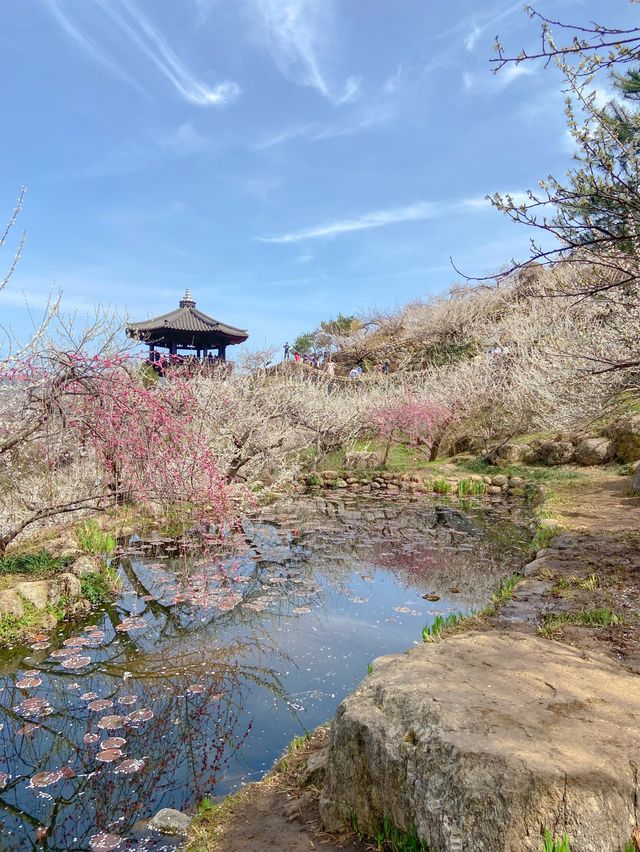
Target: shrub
<point>93,541</point>
<point>39,564</point>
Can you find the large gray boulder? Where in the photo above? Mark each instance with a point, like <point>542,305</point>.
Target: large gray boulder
<point>37,592</point>
<point>11,604</point>
<point>170,821</point>
<point>552,452</point>
<point>483,739</point>
<point>593,451</point>
<point>625,434</point>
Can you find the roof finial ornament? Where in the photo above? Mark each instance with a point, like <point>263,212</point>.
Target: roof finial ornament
<point>187,300</point>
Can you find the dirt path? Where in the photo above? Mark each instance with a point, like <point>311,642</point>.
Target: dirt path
<point>278,813</point>
<point>601,504</point>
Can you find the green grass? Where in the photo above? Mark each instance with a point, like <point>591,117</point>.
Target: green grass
<point>392,839</point>
<point>369,669</point>
<point>471,487</point>
<point>441,486</point>
<point>551,845</point>
<point>95,587</point>
<point>93,541</point>
<point>432,632</point>
<point>40,564</point>
<point>544,534</point>
<point>505,591</point>
<point>555,621</point>
<point>389,838</point>
<point>531,473</point>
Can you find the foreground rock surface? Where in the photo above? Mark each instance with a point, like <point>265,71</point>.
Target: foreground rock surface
<point>484,739</point>
<point>170,821</point>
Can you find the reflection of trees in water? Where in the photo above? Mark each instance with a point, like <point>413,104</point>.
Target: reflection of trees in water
<point>210,619</point>
<point>186,746</point>
<point>417,541</point>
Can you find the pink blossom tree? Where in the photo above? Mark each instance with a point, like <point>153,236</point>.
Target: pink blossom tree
<point>410,421</point>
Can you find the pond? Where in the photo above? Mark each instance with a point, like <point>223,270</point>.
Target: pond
<point>198,676</point>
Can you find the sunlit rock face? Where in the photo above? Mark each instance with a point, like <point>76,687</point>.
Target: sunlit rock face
<point>483,739</point>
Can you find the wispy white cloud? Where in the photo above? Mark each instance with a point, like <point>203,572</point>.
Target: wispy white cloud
<point>472,37</point>
<point>495,82</point>
<point>128,18</point>
<point>184,140</point>
<point>86,43</point>
<point>299,34</point>
<point>482,202</point>
<point>375,219</point>
<point>364,119</point>
<point>391,84</point>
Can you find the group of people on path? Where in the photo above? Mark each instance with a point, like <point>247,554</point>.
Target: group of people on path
<point>323,361</point>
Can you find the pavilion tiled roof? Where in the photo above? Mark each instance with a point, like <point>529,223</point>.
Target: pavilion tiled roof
<point>187,318</point>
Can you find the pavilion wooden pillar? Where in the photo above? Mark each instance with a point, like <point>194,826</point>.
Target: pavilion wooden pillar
<point>222,352</point>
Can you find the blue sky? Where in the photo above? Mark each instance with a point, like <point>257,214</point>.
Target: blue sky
<point>284,159</point>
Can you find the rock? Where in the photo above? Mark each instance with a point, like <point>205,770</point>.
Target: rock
<point>38,592</point>
<point>66,585</point>
<point>481,739</point>
<point>85,565</point>
<point>170,821</point>
<point>11,604</point>
<point>362,459</point>
<point>517,482</point>
<point>494,489</point>
<point>625,434</point>
<point>330,474</point>
<point>635,482</point>
<point>554,452</point>
<point>591,451</point>
<point>79,608</point>
<point>509,454</point>
<point>500,480</point>
<point>340,483</point>
<point>316,767</point>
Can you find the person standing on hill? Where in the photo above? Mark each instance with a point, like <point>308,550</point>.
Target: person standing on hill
<point>296,357</point>
<point>385,366</point>
<point>286,351</point>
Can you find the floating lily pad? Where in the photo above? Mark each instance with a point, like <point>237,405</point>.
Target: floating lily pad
<point>34,707</point>
<point>111,723</point>
<point>127,767</point>
<point>100,705</point>
<point>132,623</point>
<point>196,689</point>
<point>90,739</point>
<point>299,610</point>
<point>137,716</point>
<point>104,842</point>
<point>108,755</point>
<point>114,742</point>
<point>28,682</point>
<point>27,729</point>
<point>75,642</point>
<point>4,777</point>
<point>127,699</point>
<point>45,779</point>
<point>89,696</point>
<point>63,652</point>
<point>76,662</point>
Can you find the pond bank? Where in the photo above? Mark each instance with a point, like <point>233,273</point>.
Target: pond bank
<point>547,736</point>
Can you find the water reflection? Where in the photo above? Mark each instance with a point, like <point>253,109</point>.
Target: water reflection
<point>204,668</point>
